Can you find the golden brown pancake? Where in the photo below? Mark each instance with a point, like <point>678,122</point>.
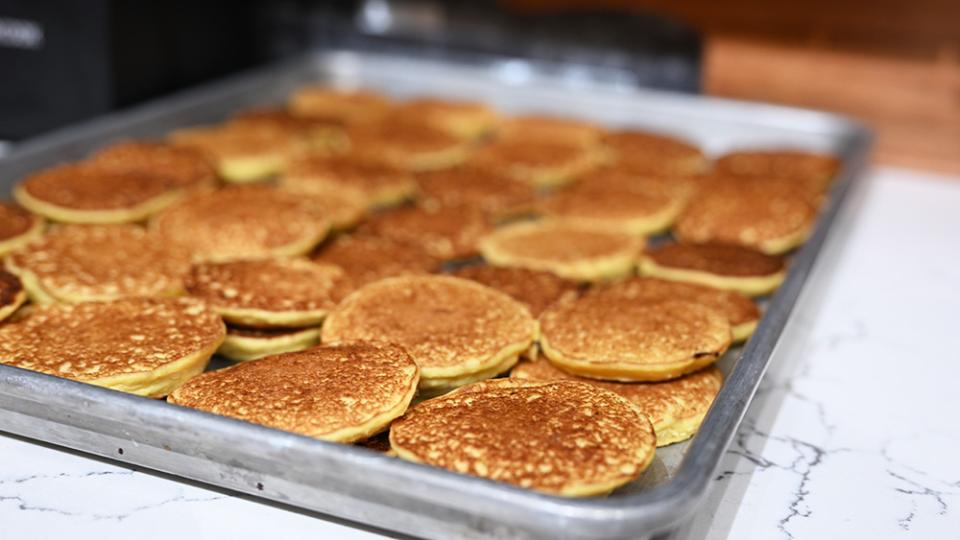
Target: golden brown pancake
<point>366,258</point>
<point>89,193</point>
<point>675,408</point>
<point>464,119</point>
<point>767,216</point>
<point>341,392</point>
<point>565,438</point>
<point>144,346</point>
<point>548,128</point>
<point>245,343</point>
<point>606,334</point>
<point>181,167</point>
<point>496,195</point>
<point>381,185</point>
<point>278,292</point>
<point>242,223</point>
<point>568,250</point>
<point>446,233</point>
<point>344,106</point>
<point>409,146</point>
<point>12,294</point>
<point>17,227</point>
<point>808,171</point>
<point>740,311</point>
<point>541,163</point>
<point>536,290</point>
<point>719,266</point>
<point>650,153</point>
<point>340,206</point>
<point>82,263</point>
<point>323,136</point>
<point>244,153</point>
<point>458,331</point>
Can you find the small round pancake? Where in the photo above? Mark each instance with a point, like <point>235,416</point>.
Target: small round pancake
<point>605,334</point>
<point>408,146</point>
<point>720,266</point>
<point>548,128</point>
<point>181,167</point>
<point>565,438</point>
<point>244,153</point>
<point>809,171</point>
<point>446,233</point>
<point>12,294</point>
<point>740,311</point>
<point>496,195</point>
<point>770,217</point>
<point>366,258</point>
<point>323,136</point>
<point>458,331</point>
<point>343,106</point>
<point>568,250</point>
<point>616,200</point>
<point>675,408</point>
<point>342,207</point>
<point>17,227</point>
<point>536,290</point>
<point>243,343</point>
<point>267,293</point>
<point>88,193</point>
<point>341,392</point>
<point>541,163</point>
<point>84,263</point>
<point>242,223</point>
<point>144,346</point>
<point>381,185</point>
<point>464,119</point>
<point>650,153</point>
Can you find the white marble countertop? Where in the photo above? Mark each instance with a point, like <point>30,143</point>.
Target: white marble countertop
<point>854,433</point>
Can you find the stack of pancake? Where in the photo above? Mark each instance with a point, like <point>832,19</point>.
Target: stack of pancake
<point>494,295</point>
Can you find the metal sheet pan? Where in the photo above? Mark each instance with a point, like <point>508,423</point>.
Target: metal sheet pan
<point>360,485</point>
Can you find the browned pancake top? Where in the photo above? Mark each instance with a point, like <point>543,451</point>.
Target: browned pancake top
<point>810,171</point>
<point>103,262</point>
<point>547,128</point>
<point>281,119</point>
<point>94,340</point>
<point>87,186</point>
<point>367,258</point>
<point>652,153</point>
<point>347,106</point>
<point>266,284</point>
<point>544,436</point>
<point>181,167</point>
<point>561,242</point>
<point>445,233</point>
<point>10,288</point>
<point>398,136</point>
<point>737,308</point>
<point>477,187</point>
<point>442,321</point>
<point>341,206</point>
<point>315,392</point>
<point>671,401</point>
<point>610,194</point>
<point>529,153</point>
<point>15,221</point>
<point>367,176</point>
<point>718,259</point>
<point>441,113</point>
<point>239,140</point>
<point>536,290</point>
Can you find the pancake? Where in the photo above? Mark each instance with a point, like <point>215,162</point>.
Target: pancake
<point>616,200</point>
<point>568,250</point>
<point>243,153</point>
<point>541,163</point>
<point>548,129</point>
<point>458,331</point>
<point>89,193</point>
<point>243,344</point>
<point>180,167</point>
<point>82,263</point>
<point>464,119</point>
<point>740,311</point>
<point>650,153</point>
<point>17,227</point>
<point>242,223</point>
<point>12,294</point>
<point>267,293</point>
<point>342,207</point>
<point>341,392</point>
<point>381,185</point>
<point>564,438</point>
<point>144,346</point>
<point>536,290</point>
<point>675,408</point>
<point>720,266</point>
<point>339,105</point>
<point>322,136</point>
<point>365,258</point>
<point>808,171</point>
<point>766,216</point>
<point>446,233</point>
<point>408,146</point>
<point>496,195</point>
<point>605,334</point>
